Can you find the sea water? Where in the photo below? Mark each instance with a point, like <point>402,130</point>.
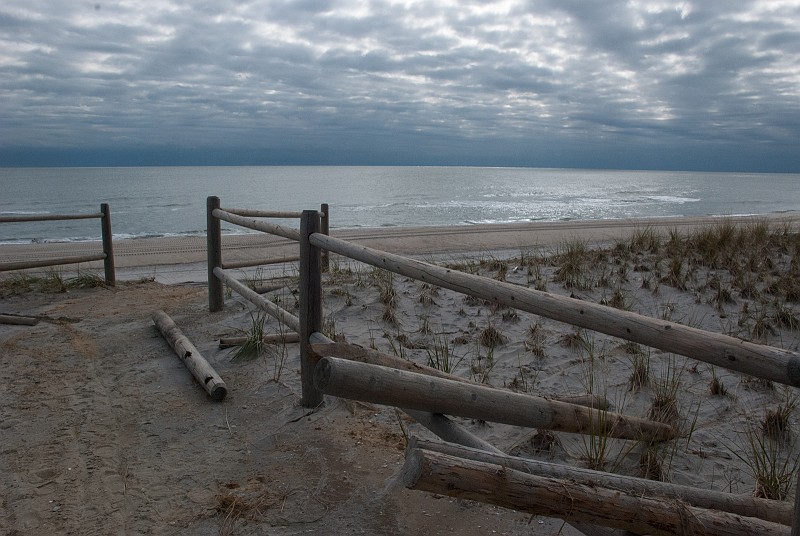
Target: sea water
<point>171,201</point>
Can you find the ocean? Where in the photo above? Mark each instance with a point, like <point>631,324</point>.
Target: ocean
<point>170,201</point>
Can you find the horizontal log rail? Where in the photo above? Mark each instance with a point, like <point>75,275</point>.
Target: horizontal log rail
<point>353,352</point>
<point>249,219</point>
<point>491,483</point>
<point>399,388</point>
<point>24,265</point>
<point>757,360</point>
<point>250,213</point>
<point>247,264</point>
<point>49,217</point>
<point>257,225</point>
<point>277,338</point>
<point>745,505</point>
<point>107,256</point>
<point>258,300</point>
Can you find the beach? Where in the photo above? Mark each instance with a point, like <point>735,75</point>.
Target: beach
<point>105,431</point>
<point>173,260</point>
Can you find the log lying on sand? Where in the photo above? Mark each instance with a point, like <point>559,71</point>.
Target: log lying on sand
<point>744,505</point>
<point>383,385</point>
<point>353,352</point>
<point>279,338</point>
<point>18,320</point>
<point>490,483</point>
<point>191,357</point>
<point>454,433</point>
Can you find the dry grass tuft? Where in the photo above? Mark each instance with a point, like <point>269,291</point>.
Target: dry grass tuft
<point>491,337</point>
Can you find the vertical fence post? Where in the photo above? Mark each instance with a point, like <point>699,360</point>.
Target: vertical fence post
<point>796,516</point>
<point>310,305</point>
<point>108,245</point>
<point>325,228</point>
<point>216,296</point>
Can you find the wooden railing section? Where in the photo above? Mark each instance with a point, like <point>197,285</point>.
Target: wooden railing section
<point>480,471</point>
<point>107,255</point>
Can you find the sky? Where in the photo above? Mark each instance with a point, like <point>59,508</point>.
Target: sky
<point>690,85</point>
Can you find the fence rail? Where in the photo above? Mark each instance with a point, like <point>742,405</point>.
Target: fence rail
<point>767,362</point>
<point>247,218</point>
<point>107,255</point>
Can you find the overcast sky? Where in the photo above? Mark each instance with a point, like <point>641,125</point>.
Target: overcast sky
<point>705,85</point>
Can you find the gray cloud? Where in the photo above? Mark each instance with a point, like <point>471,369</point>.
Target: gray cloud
<point>542,82</point>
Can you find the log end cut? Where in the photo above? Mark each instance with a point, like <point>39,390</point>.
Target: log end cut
<point>322,374</point>
<point>218,391</point>
<point>411,472</point>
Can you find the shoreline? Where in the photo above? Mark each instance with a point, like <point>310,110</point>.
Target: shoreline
<point>135,258</point>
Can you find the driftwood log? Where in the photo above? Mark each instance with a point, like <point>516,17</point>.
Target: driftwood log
<point>744,505</point>
<point>279,338</point>
<point>383,385</point>
<point>454,433</point>
<point>16,320</point>
<point>191,357</point>
<point>353,352</point>
<point>490,483</point>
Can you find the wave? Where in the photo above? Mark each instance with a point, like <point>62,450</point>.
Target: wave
<point>674,199</point>
<point>24,212</point>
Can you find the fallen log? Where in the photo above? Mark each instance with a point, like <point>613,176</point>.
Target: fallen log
<point>454,433</point>
<point>744,505</point>
<point>279,338</point>
<point>353,352</point>
<point>490,483</point>
<point>383,385</point>
<point>16,320</point>
<point>191,357</point>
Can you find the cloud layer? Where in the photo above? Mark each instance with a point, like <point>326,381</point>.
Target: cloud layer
<point>703,85</point>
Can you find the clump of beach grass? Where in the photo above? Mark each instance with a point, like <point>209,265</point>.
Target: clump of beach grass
<point>715,386</point>
<point>490,336</point>
<point>775,423</point>
<point>481,366</point>
<point>254,344</point>
<point>666,385</point>
<point>86,280</point>
<point>572,265</point>
<point>772,464</point>
<point>534,342</point>
<point>442,355</point>
<point>640,367</point>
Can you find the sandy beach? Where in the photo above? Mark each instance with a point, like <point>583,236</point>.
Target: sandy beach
<point>104,431</point>
<point>174,260</point>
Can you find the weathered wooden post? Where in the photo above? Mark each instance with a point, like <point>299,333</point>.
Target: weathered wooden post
<point>310,313</point>
<point>216,295</point>
<point>108,245</point>
<point>325,228</point>
<point>796,516</point>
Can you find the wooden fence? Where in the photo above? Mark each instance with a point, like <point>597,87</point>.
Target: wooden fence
<point>107,255</point>
<point>425,394</point>
<point>218,270</point>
